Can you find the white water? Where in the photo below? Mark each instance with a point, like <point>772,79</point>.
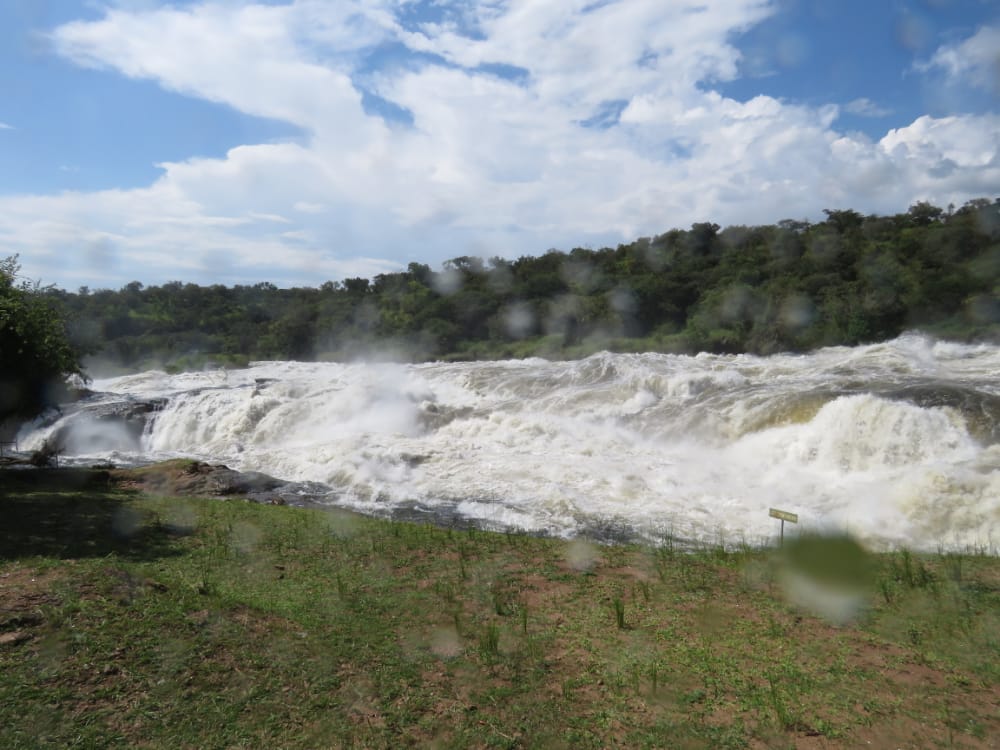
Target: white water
<point>896,443</point>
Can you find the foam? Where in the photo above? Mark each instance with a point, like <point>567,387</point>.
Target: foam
<point>647,443</point>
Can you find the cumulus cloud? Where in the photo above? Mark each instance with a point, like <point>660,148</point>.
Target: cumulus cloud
<point>176,230</point>
<point>258,59</point>
<point>974,61</point>
<point>529,125</point>
<point>949,155</point>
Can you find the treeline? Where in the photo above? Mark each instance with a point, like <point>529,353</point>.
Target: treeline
<point>792,286</point>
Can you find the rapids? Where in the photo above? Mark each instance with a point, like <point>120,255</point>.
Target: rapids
<point>897,443</point>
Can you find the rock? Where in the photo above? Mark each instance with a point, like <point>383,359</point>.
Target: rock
<point>12,639</point>
<point>110,425</point>
<point>196,478</point>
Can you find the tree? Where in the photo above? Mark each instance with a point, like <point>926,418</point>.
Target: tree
<point>843,220</point>
<point>923,214</point>
<point>36,355</point>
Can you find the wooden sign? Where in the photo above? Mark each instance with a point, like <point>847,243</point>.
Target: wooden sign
<point>784,515</point>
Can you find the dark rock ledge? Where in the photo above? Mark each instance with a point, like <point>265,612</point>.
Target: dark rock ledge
<point>195,478</point>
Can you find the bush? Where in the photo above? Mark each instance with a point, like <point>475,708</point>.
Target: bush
<point>36,355</point>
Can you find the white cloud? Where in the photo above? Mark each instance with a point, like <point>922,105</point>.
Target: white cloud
<point>176,230</point>
<point>974,61</point>
<point>951,158</point>
<point>254,58</point>
<point>5,126</point>
<point>611,130</point>
<point>865,107</point>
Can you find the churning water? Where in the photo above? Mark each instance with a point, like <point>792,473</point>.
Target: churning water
<point>897,443</point>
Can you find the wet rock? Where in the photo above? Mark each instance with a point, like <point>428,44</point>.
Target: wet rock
<point>433,416</point>
<point>112,425</point>
<point>980,409</point>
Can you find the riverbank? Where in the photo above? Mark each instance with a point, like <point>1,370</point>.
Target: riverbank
<point>129,619</point>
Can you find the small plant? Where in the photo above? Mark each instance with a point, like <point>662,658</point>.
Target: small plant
<point>693,697</point>
<point>47,455</point>
<point>503,592</point>
<point>446,591</point>
<point>885,587</point>
<point>953,564</point>
<point>912,572</point>
<point>205,586</point>
<point>668,547</point>
<point>499,602</point>
<point>695,575</point>
<point>775,629</point>
<point>618,604</point>
<point>662,564</point>
<point>57,615</point>
<point>489,642</point>
<point>646,590</point>
<point>785,720</point>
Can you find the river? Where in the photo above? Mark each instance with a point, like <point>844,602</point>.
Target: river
<point>897,443</point>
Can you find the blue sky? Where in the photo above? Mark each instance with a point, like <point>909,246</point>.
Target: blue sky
<point>300,141</point>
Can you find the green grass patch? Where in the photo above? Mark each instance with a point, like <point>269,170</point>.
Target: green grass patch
<point>135,621</point>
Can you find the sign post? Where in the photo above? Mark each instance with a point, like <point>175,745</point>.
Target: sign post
<point>784,515</point>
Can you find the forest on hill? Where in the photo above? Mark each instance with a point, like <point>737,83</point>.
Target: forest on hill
<point>790,286</point>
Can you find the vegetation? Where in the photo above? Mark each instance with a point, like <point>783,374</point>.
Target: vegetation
<point>35,351</point>
<point>133,621</point>
<point>792,286</point>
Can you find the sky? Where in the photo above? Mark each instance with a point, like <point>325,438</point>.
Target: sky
<point>300,141</point>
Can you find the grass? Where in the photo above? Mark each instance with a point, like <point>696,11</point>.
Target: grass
<point>134,621</point>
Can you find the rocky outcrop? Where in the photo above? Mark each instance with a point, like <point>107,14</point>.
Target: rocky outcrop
<point>111,425</point>
<point>196,478</point>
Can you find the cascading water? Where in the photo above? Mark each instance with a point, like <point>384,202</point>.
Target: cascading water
<point>896,442</point>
